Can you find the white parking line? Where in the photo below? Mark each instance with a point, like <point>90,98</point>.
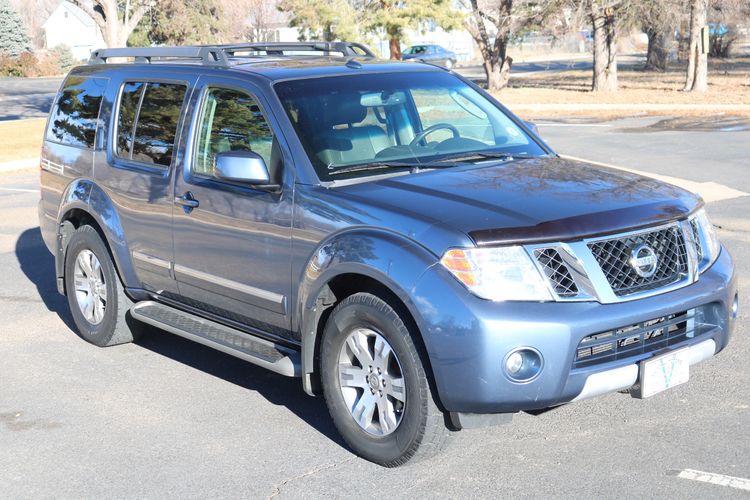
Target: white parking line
<point>717,479</point>
<point>19,190</point>
<point>709,191</point>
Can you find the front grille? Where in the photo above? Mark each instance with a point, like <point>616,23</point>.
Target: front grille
<point>613,256</point>
<point>639,338</point>
<point>556,272</point>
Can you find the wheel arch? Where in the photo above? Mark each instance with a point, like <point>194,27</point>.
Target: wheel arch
<point>85,203</point>
<point>389,270</point>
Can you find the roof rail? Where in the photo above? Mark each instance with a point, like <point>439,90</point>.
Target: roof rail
<point>205,55</point>
<point>279,48</point>
<point>218,55</point>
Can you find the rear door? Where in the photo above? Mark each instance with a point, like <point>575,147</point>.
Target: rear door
<point>147,114</point>
<point>232,251</point>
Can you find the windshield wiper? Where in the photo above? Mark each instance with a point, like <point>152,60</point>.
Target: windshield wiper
<point>382,165</point>
<point>485,155</point>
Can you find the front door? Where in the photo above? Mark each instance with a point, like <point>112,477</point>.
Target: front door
<point>232,249</point>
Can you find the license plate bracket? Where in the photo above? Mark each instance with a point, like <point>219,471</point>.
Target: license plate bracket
<point>663,372</point>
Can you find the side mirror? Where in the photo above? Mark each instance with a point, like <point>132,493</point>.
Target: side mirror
<point>532,126</point>
<point>242,166</point>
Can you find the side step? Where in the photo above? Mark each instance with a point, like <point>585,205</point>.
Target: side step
<point>258,351</point>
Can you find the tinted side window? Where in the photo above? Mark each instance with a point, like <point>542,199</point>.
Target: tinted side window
<point>155,108</point>
<point>130,99</point>
<point>230,121</point>
<point>75,116</point>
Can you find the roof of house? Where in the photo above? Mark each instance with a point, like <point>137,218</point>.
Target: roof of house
<point>75,11</point>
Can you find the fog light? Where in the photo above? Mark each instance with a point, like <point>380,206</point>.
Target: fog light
<point>514,363</point>
<point>735,306</point>
<point>523,364</point>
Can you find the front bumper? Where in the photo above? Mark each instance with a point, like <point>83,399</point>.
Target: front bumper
<point>467,339</point>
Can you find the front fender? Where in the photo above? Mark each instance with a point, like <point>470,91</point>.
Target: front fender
<point>389,258</point>
<point>85,195</point>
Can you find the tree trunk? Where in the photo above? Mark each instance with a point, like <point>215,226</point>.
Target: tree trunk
<point>697,72</point>
<point>605,49</point>
<point>496,64</point>
<point>656,56</point>
<point>394,46</point>
<point>106,15</point>
<point>498,73</point>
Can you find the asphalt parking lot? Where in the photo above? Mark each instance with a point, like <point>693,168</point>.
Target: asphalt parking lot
<point>169,418</point>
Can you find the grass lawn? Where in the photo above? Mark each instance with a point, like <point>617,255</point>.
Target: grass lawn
<point>21,139</point>
<point>729,86</point>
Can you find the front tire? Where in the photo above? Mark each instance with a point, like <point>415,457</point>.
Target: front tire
<point>96,298</point>
<point>375,385</point>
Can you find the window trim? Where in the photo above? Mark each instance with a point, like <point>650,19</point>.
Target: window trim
<point>211,182</point>
<point>128,163</point>
<point>98,116</point>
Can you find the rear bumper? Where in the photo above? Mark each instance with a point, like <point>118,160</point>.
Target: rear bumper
<point>467,339</point>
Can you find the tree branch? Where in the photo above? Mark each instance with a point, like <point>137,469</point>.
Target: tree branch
<point>136,16</point>
<point>98,17</point>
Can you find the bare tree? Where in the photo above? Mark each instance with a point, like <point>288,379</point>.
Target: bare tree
<point>658,19</point>
<point>116,18</point>
<point>602,15</point>
<point>251,20</point>
<point>495,60</point>
<point>697,72</point>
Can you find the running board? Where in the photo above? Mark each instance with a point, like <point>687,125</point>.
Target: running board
<point>258,351</point>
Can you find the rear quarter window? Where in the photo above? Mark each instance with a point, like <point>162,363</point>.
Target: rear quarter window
<point>75,116</point>
<point>148,117</point>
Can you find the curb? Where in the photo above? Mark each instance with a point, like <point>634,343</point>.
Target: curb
<point>15,165</point>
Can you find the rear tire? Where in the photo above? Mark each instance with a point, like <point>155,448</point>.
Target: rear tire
<point>97,300</point>
<point>403,422</point>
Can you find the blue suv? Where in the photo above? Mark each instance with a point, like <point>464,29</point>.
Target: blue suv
<point>387,232</point>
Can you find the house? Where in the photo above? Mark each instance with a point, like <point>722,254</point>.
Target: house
<point>70,25</point>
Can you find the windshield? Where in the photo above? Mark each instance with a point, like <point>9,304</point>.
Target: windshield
<point>415,117</point>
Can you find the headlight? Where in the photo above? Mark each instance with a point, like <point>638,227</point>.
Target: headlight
<point>505,273</point>
<point>707,241</point>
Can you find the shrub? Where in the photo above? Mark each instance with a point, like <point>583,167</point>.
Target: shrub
<point>48,65</point>
<point>27,64</point>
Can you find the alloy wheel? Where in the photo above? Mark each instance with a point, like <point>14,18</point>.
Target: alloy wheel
<point>372,382</point>
<point>90,287</point>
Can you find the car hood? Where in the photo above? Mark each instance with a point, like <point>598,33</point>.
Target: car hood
<point>530,200</point>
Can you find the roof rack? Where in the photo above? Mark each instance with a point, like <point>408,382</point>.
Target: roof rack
<point>218,55</point>
<point>279,48</point>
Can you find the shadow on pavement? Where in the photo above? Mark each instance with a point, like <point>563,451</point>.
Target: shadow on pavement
<point>38,264</point>
<point>39,267</point>
<point>276,389</point>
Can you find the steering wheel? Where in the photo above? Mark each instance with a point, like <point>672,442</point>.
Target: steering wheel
<point>432,128</point>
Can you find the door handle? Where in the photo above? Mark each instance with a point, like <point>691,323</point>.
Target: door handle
<point>187,201</point>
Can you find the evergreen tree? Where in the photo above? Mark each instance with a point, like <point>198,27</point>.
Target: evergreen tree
<point>186,22</point>
<point>13,37</point>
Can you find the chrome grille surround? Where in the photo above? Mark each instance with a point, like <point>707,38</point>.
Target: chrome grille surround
<point>596,278</point>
